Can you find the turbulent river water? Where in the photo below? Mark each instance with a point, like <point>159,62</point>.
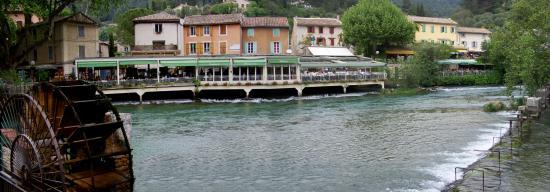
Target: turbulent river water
<point>350,142</point>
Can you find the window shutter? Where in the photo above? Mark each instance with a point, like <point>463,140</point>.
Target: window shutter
<point>245,48</point>
<point>272,47</point>
<point>255,47</point>
<point>187,33</point>
<point>187,48</point>
<point>199,48</point>
<point>198,30</point>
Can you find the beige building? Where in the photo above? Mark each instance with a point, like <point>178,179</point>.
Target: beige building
<point>74,36</point>
<point>316,32</point>
<point>435,30</point>
<point>19,18</point>
<point>158,34</point>
<point>473,38</point>
<point>265,35</point>
<point>212,34</point>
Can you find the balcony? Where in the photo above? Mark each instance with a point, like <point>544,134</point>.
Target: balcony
<point>166,50</point>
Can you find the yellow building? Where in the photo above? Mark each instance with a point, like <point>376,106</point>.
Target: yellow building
<point>436,30</point>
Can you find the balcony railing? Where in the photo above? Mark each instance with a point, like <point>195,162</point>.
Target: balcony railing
<point>155,48</point>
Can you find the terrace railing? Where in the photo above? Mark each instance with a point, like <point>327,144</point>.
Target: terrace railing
<point>342,77</point>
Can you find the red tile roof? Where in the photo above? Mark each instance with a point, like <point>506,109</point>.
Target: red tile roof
<point>329,22</point>
<point>435,20</point>
<point>265,22</point>
<point>473,30</point>
<point>213,19</point>
<point>158,17</point>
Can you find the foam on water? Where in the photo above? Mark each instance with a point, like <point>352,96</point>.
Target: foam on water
<point>469,88</point>
<point>467,156</point>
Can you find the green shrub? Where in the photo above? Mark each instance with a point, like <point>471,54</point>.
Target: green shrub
<point>494,106</point>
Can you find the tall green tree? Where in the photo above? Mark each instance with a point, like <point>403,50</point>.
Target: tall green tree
<point>422,70</point>
<point>125,24</point>
<point>224,8</point>
<point>16,42</point>
<point>407,6</point>
<point>372,25</point>
<point>521,46</point>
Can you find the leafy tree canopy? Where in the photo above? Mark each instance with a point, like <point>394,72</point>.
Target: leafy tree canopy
<point>423,69</point>
<point>125,24</point>
<point>373,24</point>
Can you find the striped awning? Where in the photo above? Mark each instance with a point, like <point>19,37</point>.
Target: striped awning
<point>86,64</point>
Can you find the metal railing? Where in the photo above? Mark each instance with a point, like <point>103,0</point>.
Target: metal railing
<point>343,77</point>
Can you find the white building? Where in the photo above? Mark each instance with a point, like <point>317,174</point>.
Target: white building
<point>158,34</point>
<point>320,32</point>
<point>473,38</point>
<point>242,4</point>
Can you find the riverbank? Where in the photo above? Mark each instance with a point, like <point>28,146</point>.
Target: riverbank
<point>511,159</point>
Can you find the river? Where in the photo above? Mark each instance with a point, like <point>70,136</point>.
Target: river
<point>349,142</point>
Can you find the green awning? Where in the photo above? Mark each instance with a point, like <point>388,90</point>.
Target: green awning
<point>179,63</point>
<point>138,62</point>
<point>248,62</point>
<point>283,60</point>
<point>84,64</point>
<point>214,62</point>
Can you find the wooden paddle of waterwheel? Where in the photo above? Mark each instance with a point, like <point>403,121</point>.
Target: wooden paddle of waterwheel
<point>64,136</point>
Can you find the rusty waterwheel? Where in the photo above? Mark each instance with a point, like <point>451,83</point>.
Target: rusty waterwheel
<point>64,136</point>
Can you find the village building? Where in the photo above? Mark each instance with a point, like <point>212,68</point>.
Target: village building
<point>74,37</point>
<point>473,38</point>
<point>158,34</point>
<point>18,17</point>
<point>265,35</point>
<point>241,4</point>
<point>320,32</point>
<point>212,34</point>
<point>435,30</point>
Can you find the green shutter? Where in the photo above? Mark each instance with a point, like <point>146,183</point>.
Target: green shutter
<point>250,32</point>
<point>423,28</point>
<point>272,47</point>
<point>276,32</point>
<point>255,46</point>
<point>433,29</point>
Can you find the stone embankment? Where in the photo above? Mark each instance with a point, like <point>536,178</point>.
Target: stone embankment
<point>486,173</point>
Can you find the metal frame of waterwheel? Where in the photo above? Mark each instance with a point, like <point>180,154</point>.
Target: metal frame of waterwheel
<point>91,145</point>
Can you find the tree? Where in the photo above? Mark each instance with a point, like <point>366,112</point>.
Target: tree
<point>423,69</point>
<point>16,42</point>
<point>254,10</point>
<point>521,46</point>
<point>223,8</point>
<point>125,24</point>
<point>373,24</point>
<point>420,10</point>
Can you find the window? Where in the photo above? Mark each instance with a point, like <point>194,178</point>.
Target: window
<point>432,28</point>
<point>331,30</point>
<point>223,29</point>
<point>126,49</point>
<point>452,29</point>
<point>463,34</point>
<point>310,30</point>
<point>192,48</point>
<point>206,30</point>
<point>474,44</point>
<point>223,48</point>
<point>443,29</point>
<point>192,31</point>
<point>81,51</point>
<point>250,32</point>
<point>331,41</point>
<point>250,47</point>
<point>276,48</point>
<point>452,42</point>
<point>423,28</point>
<point>50,52</point>
<point>158,28</point>
<point>206,47</point>
<point>276,32</point>
<point>464,43</point>
<point>320,29</point>
<point>81,31</point>
<point>442,42</point>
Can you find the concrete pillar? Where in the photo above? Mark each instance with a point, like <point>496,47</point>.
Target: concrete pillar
<point>298,73</point>
<point>230,71</point>
<point>247,92</point>
<point>300,90</point>
<point>382,84</point>
<point>140,94</point>
<point>117,72</point>
<point>345,89</point>
<point>264,74</point>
